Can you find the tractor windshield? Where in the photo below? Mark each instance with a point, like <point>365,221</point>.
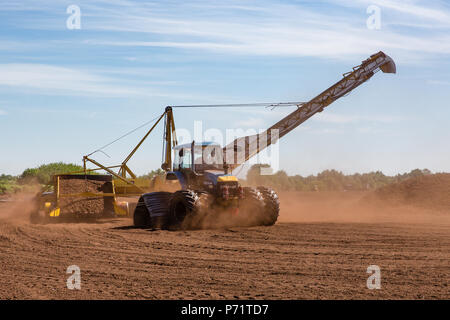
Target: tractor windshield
<point>208,157</point>
<point>183,159</point>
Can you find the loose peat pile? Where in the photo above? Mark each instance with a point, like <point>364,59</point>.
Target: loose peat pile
<point>82,206</point>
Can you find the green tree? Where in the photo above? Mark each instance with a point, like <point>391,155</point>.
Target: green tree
<point>327,180</point>
<point>8,184</point>
<point>43,173</point>
<point>153,173</point>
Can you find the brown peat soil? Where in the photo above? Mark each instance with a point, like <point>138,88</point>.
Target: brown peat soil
<point>320,248</point>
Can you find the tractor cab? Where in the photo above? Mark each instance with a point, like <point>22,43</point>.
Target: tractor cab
<point>200,167</point>
<point>198,157</point>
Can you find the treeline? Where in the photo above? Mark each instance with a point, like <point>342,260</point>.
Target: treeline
<point>328,180</point>
<point>152,174</point>
<point>8,184</point>
<point>43,173</point>
<point>39,175</point>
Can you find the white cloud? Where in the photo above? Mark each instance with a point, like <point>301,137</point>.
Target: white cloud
<point>413,9</point>
<point>264,27</point>
<point>56,80</point>
<point>425,10</point>
<point>3,112</point>
<point>47,77</point>
<point>278,29</point>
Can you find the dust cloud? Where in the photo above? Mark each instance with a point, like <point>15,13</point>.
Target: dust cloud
<point>351,207</point>
<point>17,207</point>
<point>424,199</point>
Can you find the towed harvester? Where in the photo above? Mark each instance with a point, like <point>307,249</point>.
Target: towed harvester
<point>78,196</point>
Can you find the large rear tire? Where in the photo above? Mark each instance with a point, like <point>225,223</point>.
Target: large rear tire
<point>271,206</point>
<point>141,216</point>
<point>151,209</point>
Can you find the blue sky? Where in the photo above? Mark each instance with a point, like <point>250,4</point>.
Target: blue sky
<point>64,93</point>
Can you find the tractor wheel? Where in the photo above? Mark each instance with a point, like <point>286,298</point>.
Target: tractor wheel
<point>150,209</point>
<point>183,209</point>
<point>251,208</point>
<point>141,216</point>
<point>271,206</point>
<point>203,208</point>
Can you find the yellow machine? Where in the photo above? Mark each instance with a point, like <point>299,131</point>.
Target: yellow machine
<point>78,196</point>
<point>88,195</point>
<point>125,180</point>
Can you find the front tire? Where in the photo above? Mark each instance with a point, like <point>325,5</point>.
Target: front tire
<point>251,207</point>
<point>185,209</point>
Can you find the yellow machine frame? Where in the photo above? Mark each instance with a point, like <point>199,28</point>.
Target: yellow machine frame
<point>125,179</point>
<point>53,209</point>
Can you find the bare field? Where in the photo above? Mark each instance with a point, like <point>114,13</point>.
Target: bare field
<point>319,249</point>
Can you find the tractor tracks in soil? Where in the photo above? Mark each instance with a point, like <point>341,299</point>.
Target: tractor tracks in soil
<point>286,261</point>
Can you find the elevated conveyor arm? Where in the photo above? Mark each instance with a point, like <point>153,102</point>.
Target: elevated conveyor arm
<point>252,145</point>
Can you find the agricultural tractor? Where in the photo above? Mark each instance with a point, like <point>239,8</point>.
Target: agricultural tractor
<point>201,171</point>
<point>206,191</point>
